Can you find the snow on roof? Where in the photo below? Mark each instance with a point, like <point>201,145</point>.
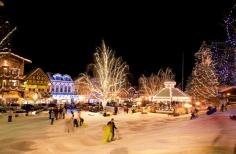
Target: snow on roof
<point>227,89</point>
<point>59,76</point>
<point>10,53</point>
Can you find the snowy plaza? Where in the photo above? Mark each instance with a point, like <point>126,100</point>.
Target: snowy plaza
<point>138,134</point>
<point>115,78</point>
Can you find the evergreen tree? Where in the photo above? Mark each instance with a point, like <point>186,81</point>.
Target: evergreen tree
<point>230,52</point>
<point>224,53</point>
<point>204,79</point>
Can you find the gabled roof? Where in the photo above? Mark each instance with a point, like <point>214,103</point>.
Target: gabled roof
<point>17,56</point>
<point>34,71</point>
<point>170,93</point>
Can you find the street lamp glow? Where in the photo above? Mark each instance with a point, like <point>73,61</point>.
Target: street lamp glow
<point>35,97</point>
<point>186,105</point>
<point>197,103</point>
<point>139,103</point>
<point>5,63</point>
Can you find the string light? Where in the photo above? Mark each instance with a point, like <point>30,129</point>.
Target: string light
<point>110,75</point>
<point>204,80</point>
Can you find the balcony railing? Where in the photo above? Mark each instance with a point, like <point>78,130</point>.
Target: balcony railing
<point>6,72</point>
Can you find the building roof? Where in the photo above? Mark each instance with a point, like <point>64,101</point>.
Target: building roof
<point>17,56</point>
<point>227,89</point>
<point>34,71</point>
<point>59,77</point>
<point>170,93</point>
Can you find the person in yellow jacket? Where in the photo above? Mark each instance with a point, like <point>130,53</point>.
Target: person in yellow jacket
<point>107,134</point>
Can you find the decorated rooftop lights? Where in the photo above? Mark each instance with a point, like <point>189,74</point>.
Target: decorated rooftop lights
<point>109,74</point>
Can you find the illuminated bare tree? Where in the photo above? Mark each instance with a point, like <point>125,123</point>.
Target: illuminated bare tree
<point>151,85</point>
<point>109,74</point>
<point>1,3</point>
<point>6,31</point>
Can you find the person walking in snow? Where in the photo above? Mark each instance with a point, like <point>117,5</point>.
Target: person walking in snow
<point>10,115</point>
<point>222,103</point>
<point>107,133</point>
<point>68,122</point>
<point>113,127</point>
<point>63,112</point>
<point>52,117</point>
<point>75,120</point>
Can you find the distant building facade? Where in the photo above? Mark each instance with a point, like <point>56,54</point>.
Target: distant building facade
<point>11,76</point>
<point>37,87</point>
<point>62,88</point>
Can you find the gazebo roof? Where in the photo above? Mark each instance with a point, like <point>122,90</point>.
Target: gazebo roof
<point>170,93</point>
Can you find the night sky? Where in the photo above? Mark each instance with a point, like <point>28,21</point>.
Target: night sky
<point>61,36</point>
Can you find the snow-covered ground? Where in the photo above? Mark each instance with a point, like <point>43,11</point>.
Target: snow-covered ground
<point>140,134</point>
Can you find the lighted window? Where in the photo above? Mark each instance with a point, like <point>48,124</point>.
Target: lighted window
<point>15,71</point>
<point>14,83</point>
<point>4,83</point>
<point>65,89</point>
<point>69,89</point>
<point>57,88</point>
<point>61,89</point>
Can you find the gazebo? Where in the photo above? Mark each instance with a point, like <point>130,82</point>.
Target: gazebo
<point>169,95</point>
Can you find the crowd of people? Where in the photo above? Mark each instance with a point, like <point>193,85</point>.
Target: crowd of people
<point>72,117</point>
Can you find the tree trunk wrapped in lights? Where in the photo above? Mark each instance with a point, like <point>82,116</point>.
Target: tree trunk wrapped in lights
<point>151,85</point>
<point>204,81</point>
<point>109,74</point>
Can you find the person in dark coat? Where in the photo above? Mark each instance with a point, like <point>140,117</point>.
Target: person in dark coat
<point>10,115</point>
<point>50,112</point>
<point>113,127</point>
<point>53,115</point>
<point>56,111</point>
<point>60,112</point>
<point>116,110</point>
